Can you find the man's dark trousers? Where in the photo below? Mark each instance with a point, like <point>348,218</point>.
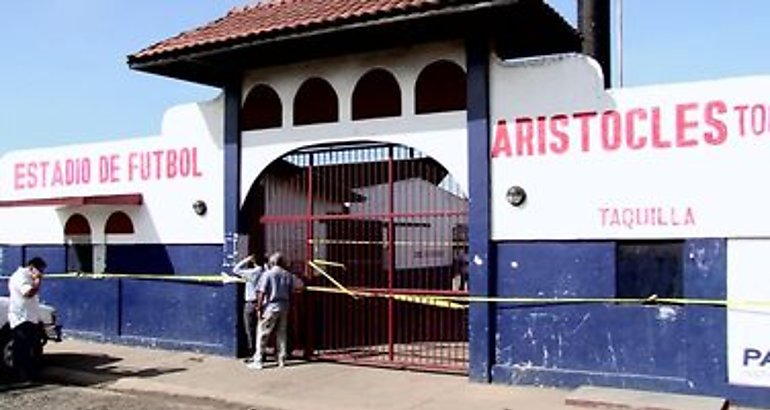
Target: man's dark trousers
<point>26,345</point>
<point>250,323</point>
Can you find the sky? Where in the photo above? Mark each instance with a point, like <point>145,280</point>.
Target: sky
<point>64,77</point>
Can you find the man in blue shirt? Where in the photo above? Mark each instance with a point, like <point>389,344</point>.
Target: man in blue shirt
<point>273,300</point>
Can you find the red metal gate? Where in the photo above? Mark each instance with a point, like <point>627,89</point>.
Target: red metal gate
<point>388,224</point>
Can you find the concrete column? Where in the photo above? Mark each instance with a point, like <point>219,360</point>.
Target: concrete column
<point>232,200</point>
<point>481,326</point>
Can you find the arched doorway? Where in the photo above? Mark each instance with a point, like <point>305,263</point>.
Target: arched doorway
<point>77,237</point>
<point>388,224</point>
<point>118,229</point>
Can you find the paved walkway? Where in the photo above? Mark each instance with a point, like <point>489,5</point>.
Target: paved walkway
<point>299,386</point>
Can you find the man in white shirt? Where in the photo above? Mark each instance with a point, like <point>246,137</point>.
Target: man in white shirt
<point>24,316</point>
<point>250,270</point>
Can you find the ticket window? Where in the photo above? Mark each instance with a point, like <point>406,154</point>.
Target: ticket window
<point>646,268</point>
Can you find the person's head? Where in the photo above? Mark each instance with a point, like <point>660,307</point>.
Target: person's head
<point>277,259</point>
<point>259,260</point>
<point>37,263</point>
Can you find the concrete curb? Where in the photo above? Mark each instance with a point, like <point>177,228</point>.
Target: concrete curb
<point>593,397</point>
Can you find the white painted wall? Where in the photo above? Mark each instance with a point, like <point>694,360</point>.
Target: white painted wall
<point>748,324</point>
<point>441,136</point>
<point>692,188</point>
<point>166,215</point>
<point>691,166</point>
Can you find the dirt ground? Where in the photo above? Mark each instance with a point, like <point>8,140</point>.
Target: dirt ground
<point>58,397</point>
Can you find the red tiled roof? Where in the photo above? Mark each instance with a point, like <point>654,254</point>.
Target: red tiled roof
<point>276,16</point>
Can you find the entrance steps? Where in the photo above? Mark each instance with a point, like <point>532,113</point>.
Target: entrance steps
<point>604,398</point>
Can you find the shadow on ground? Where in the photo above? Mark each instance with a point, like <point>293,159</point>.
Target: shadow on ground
<point>86,369</point>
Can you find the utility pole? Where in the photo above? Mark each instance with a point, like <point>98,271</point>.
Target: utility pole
<point>619,40</point>
<point>594,25</point>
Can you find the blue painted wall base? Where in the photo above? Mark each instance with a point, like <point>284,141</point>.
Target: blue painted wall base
<point>157,313</point>
<point>668,348</point>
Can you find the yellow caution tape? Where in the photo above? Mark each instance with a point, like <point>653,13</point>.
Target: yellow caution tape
<point>329,263</point>
<point>422,244</point>
<point>331,279</point>
<point>437,301</point>
<point>322,289</point>
<point>450,302</point>
<point>428,300</point>
<point>142,276</point>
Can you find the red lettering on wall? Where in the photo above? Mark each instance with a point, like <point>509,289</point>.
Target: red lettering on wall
<point>162,164</point>
<point>58,174</point>
<point>741,110</point>
<point>158,161</point>
<point>44,172</point>
<point>713,112</point>
<point>633,140</point>
<point>541,128</point>
<point>683,125</point>
<point>585,128</point>
<point>196,172</point>
<point>525,133</point>
<point>18,176</point>
<point>611,137</point>
<point>632,217</point>
<point>758,119</point>
<point>657,139</point>
<point>557,125</point>
<point>32,175</point>
<point>502,143</point>
<point>171,164</point>
<point>133,164</point>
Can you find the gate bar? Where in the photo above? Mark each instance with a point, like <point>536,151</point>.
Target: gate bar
<point>391,250</point>
<point>310,345</point>
<point>373,215</point>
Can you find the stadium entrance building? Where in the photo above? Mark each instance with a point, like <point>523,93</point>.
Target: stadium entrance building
<point>453,182</point>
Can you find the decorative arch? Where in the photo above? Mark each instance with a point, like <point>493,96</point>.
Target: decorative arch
<point>376,95</point>
<point>119,223</point>
<point>440,87</point>
<point>315,102</point>
<point>79,249</point>
<point>262,109</point>
<point>76,225</point>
